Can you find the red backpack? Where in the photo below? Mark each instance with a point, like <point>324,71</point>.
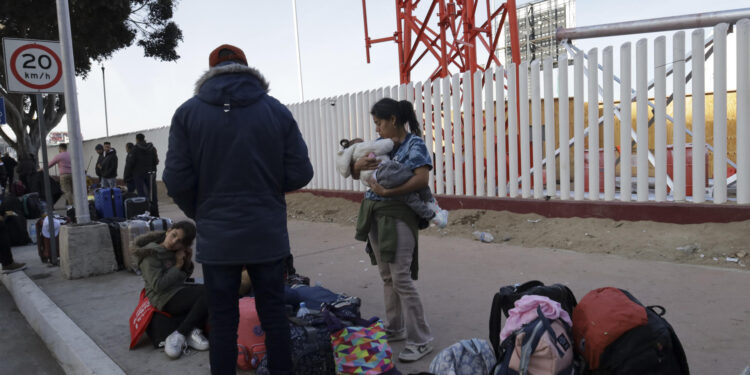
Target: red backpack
<point>617,335</point>
<point>251,340</point>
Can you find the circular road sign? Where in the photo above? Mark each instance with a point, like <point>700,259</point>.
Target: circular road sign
<point>36,66</point>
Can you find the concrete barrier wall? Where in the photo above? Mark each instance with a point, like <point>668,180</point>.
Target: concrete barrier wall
<point>159,137</point>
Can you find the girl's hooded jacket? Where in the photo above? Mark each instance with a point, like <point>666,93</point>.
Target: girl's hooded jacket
<point>162,278</point>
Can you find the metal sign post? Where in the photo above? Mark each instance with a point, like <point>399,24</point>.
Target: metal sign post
<point>2,111</point>
<point>47,189</point>
<point>34,67</point>
<point>71,104</point>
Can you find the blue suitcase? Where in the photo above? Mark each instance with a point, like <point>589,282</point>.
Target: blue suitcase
<point>108,203</point>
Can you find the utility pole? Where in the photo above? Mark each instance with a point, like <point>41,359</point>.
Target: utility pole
<point>106,117</point>
<point>71,106</point>
<point>299,58</point>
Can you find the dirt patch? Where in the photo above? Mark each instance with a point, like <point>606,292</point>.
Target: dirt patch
<point>716,244</point>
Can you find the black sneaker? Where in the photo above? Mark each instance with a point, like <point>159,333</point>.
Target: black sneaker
<point>14,267</point>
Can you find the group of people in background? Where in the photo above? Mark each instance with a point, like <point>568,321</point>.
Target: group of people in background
<point>139,175</point>
<point>140,168</point>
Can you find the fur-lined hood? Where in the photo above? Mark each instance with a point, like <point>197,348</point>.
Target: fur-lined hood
<point>221,85</point>
<point>141,248</point>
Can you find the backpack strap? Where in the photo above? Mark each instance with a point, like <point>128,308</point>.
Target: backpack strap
<point>495,322</point>
<point>531,340</point>
<point>502,302</point>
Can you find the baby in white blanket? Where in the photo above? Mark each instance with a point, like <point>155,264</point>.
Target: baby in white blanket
<point>390,174</point>
<point>357,148</point>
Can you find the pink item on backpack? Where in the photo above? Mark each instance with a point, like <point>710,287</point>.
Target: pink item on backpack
<point>525,312</point>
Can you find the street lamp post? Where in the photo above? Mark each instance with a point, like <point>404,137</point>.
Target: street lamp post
<point>299,58</point>
<point>106,117</point>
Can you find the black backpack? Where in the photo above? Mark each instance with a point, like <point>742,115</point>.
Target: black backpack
<point>505,299</point>
<point>32,206</point>
<point>651,349</point>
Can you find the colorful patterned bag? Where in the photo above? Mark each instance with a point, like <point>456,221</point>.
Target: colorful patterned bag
<point>361,348</point>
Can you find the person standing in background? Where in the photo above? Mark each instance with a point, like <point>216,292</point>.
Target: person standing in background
<point>145,160</point>
<point>98,169</point>
<point>109,167</point>
<point>66,178</point>
<point>10,167</point>
<point>127,175</point>
<point>27,166</point>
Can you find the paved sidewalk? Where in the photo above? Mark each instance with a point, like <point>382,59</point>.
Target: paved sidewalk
<point>707,306</point>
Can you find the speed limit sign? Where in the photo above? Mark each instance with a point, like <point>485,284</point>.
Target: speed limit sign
<point>33,66</point>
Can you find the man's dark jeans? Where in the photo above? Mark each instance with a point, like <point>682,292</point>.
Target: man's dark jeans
<point>222,286</point>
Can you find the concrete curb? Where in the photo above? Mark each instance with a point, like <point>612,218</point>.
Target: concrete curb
<point>76,352</point>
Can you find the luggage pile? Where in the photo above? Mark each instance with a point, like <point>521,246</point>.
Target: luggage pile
<point>328,335</point>
<point>127,216</point>
<point>548,332</point>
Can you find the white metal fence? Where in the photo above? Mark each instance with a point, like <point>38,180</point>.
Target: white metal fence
<point>477,152</point>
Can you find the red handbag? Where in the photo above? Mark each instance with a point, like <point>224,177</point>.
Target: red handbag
<point>251,340</point>
<point>141,318</point>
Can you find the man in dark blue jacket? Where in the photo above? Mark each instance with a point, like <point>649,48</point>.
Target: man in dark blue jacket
<point>233,153</point>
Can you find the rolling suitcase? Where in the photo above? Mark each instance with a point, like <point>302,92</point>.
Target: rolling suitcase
<point>160,223</point>
<point>115,225</point>
<point>135,206</point>
<point>108,203</point>
<point>43,241</point>
<point>128,233</point>
<point>156,223</point>
<point>153,207</point>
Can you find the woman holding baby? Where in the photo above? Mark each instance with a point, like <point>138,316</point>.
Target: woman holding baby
<point>391,227</point>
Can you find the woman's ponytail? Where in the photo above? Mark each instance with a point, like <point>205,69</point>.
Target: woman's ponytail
<point>406,113</point>
<point>403,111</point>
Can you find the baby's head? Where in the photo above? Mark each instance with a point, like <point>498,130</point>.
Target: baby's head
<point>346,143</point>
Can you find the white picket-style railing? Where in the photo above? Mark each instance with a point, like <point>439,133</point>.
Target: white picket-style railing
<point>465,115</point>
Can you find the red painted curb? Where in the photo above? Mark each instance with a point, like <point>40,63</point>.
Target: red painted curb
<point>676,213</point>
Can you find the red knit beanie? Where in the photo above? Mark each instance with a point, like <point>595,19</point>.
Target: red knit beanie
<point>230,52</point>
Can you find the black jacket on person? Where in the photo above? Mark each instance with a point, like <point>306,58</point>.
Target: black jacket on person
<point>109,164</point>
<point>145,159</point>
<point>128,173</point>
<point>10,164</point>
<point>98,168</point>
<point>233,152</point>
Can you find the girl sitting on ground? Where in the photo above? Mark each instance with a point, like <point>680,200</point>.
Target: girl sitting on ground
<point>165,258</point>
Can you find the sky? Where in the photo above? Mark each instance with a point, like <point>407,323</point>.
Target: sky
<point>143,93</point>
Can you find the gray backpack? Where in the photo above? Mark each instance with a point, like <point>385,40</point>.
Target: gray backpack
<point>466,357</point>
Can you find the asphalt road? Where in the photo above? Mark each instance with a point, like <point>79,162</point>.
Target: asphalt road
<point>23,352</point>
